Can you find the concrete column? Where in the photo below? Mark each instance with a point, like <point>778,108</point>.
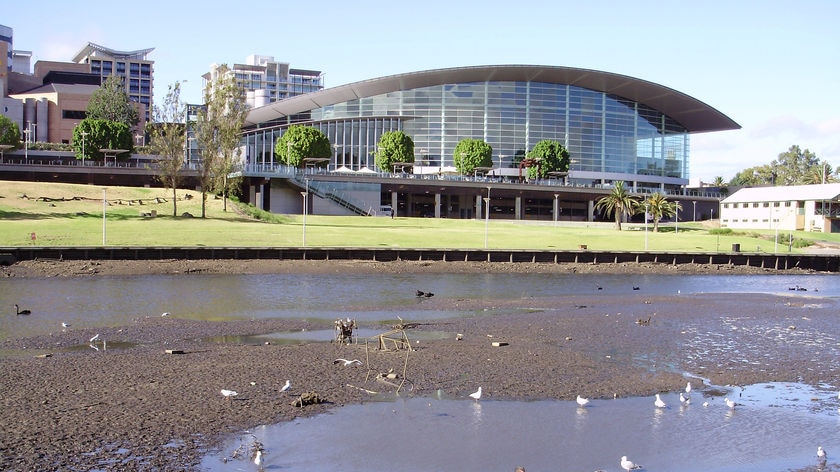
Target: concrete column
<point>590,210</point>
<point>478,207</point>
<point>395,200</point>
<point>437,205</point>
<point>517,207</point>
<point>555,210</point>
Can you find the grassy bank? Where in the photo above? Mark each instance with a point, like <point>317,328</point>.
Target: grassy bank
<point>46,214</point>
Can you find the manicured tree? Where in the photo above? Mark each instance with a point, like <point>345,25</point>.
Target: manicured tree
<point>618,202</point>
<point>9,132</point>
<point>299,142</point>
<point>101,134</point>
<point>659,207</point>
<point>393,147</point>
<point>472,153</point>
<point>168,136</point>
<point>551,157</point>
<point>110,102</point>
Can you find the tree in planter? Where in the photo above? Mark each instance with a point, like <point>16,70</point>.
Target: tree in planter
<point>217,130</point>
<point>167,140</point>
<point>9,132</point>
<point>551,156</point>
<point>619,203</point>
<point>91,135</point>
<point>110,102</point>
<point>393,147</point>
<point>659,207</point>
<point>299,142</point>
<point>472,153</point>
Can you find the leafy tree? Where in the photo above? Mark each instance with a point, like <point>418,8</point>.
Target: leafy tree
<point>472,153</point>
<point>9,132</point>
<point>94,134</point>
<point>217,130</point>
<point>618,202</point>
<point>659,207</point>
<point>551,157</point>
<point>393,147</point>
<point>167,140</point>
<point>794,166</point>
<point>299,142</point>
<point>110,102</point>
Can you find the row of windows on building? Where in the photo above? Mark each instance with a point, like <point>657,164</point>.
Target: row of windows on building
<point>761,204</point>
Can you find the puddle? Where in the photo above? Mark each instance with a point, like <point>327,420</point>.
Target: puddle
<point>772,428</point>
<point>322,335</point>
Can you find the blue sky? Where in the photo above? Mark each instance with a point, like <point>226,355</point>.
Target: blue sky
<point>772,66</point>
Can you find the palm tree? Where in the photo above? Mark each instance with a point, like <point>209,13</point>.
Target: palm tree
<point>618,202</point>
<point>659,207</point>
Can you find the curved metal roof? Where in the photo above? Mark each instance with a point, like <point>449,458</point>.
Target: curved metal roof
<point>694,115</point>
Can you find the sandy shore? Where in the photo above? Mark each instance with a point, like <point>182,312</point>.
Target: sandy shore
<point>140,408</point>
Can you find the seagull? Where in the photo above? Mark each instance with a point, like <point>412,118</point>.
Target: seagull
<point>286,387</point>
<point>18,311</point>
<point>346,362</point>
<point>821,455</point>
<point>258,457</point>
<point>476,395</point>
<point>65,325</point>
<point>659,404</point>
<point>729,403</point>
<point>94,338</point>
<point>688,387</point>
<point>165,313</point>
<point>627,464</point>
<point>229,393</point>
<point>684,399</point>
<point>582,401</point>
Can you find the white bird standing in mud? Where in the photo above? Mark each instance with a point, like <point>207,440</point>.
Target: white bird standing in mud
<point>476,395</point>
<point>347,362</point>
<point>627,464</point>
<point>228,393</point>
<point>286,386</point>
<point>582,401</point>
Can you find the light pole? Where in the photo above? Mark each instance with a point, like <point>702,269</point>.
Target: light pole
<point>646,225</point>
<point>555,208</point>
<point>305,196</point>
<point>104,206</point>
<point>83,133</point>
<point>26,132</point>
<point>694,211</point>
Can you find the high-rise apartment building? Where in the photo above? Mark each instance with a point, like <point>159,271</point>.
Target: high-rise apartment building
<point>266,80</point>
<point>134,66</point>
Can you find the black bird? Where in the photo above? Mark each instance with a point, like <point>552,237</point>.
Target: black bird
<point>18,311</point>
<point>635,287</point>
<point>420,293</point>
<point>428,294</point>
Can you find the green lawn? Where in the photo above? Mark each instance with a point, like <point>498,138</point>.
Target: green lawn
<point>71,215</point>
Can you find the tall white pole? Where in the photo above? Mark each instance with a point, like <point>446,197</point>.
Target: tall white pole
<point>104,207</point>
<point>646,225</point>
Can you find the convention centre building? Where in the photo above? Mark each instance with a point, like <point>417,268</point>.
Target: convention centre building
<point>615,127</point>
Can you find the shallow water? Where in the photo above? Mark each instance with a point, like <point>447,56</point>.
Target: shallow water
<point>775,427</point>
<point>89,302</point>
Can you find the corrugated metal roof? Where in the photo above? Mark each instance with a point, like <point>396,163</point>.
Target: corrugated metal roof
<point>694,115</point>
<point>785,193</point>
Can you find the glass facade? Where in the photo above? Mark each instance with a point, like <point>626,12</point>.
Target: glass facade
<point>608,137</point>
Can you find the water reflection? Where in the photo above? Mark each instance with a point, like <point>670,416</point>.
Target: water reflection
<point>88,302</point>
<point>421,434</point>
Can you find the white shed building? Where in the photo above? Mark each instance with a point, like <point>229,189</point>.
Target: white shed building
<point>793,208</point>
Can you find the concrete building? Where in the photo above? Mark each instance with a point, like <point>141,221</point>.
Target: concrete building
<point>791,208</point>
<point>266,80</point>
<point>134,66</point>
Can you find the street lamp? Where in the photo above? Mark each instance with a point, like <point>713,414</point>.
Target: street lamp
<point>694,211</point>
<point>305,196</point>
<point>104,207</point>
<point>486,216</point>
<point>646,225</point>
<point>83,133</point>
<point>26,132</point>
<point>555,208</point>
